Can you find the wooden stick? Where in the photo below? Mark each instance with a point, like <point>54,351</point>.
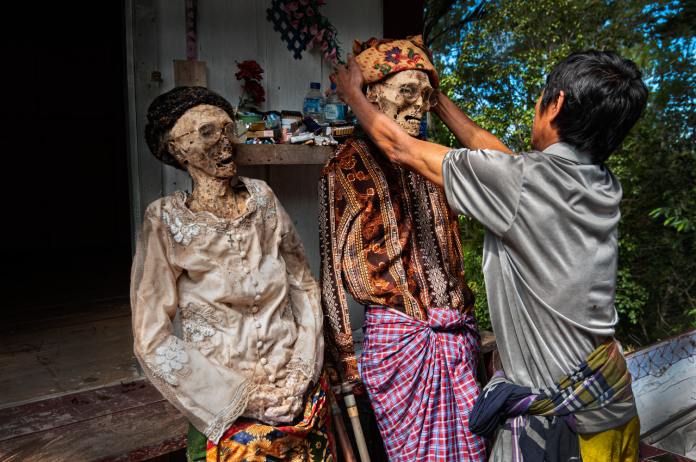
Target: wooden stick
<point>352,408</point>
<point>342,433</point>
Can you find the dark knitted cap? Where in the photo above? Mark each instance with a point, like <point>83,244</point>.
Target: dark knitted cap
<point>166,109</point>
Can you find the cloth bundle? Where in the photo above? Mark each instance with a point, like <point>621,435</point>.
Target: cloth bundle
<point>542,421</point>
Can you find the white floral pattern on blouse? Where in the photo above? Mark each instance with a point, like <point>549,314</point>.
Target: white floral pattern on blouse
<point>182,233</point>
<point>197,323</point>
<point>170,360</point>
<point>249,307</point>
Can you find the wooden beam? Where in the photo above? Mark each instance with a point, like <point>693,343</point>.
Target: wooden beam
<point>282,154</point>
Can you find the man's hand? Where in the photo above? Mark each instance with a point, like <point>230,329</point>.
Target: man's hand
<point>349,79</point>
<point>423,157</point>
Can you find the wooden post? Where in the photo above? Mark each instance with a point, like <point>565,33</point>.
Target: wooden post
<point>352,408</point>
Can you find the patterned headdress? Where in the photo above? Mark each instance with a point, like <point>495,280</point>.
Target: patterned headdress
<point>381,58</point>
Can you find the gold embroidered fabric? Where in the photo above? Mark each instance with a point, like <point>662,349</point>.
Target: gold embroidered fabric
<point>250,312</point>
<point>389,238</point>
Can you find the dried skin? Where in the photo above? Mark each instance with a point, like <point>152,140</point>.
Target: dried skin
<point>211,166</point>
<point>387,95</point>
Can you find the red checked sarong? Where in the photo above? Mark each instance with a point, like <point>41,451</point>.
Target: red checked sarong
<point>420,377</point>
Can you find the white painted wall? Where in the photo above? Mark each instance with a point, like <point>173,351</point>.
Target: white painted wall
<point>230,31</point>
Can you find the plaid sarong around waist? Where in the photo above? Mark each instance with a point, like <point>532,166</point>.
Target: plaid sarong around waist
<point>420,377</point>
<point>603,378</point>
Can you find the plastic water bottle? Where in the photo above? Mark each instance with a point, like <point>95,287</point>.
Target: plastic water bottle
<point>314,103</point>
<point>334,110</point>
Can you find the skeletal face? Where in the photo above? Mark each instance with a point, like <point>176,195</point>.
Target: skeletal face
<point>201,139</point>
<point>404,96</point>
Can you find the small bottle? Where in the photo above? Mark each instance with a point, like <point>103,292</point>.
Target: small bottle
<point>335,109</point>
<point>314,103</point>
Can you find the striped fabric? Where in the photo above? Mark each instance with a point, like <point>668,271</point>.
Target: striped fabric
<point>542,422</point>
<point>601,379</point>
<point>420,376</point>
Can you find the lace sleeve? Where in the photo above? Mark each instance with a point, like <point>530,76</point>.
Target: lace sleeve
<point>210,396</point>
<point>304,299</point>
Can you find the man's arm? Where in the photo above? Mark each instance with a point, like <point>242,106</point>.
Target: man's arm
<point>467,132</point>
<point>422,156</point>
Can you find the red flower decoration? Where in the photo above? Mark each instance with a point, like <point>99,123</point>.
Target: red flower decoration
<point>255,91</point>
<point>249,70</point>
<point>250,73</point>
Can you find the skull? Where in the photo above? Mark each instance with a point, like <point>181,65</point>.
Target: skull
<point>404,96</point>
<point>201,139</point>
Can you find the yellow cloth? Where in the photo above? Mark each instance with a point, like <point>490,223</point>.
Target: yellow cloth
<point>619,444</point>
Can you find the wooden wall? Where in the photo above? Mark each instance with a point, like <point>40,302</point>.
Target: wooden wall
<point>229,31</point>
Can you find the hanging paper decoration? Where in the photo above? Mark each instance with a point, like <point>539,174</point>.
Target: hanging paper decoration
<point>302,26</point>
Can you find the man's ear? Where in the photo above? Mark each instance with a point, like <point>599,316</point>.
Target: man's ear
<point>554,108</point>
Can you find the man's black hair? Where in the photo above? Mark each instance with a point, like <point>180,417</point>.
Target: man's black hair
<point>604,97</point>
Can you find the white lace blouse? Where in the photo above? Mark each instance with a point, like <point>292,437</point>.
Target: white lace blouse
<point>249,309</point>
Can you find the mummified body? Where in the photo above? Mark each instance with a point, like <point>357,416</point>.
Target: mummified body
<point>228,260</point>
<point>389,238</point>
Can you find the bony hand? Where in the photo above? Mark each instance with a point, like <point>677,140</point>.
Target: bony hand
<point>296,383</point>
<point>285,412</point>
<point>264,397</point>
<point>348,78</point>
<point>273,405</point>
<point>294,389</point>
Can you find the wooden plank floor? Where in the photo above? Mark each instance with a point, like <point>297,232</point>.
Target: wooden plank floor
<point>52,350</point>
<point>70,389</point>
<point>125,422</point>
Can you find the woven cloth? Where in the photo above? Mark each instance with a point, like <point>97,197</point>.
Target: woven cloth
<point>542,421</point>
<point>308,440</point>
<point>420,377</point>
<point>381,58</point>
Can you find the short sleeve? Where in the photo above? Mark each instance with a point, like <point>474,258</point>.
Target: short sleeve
<point>485,185</point>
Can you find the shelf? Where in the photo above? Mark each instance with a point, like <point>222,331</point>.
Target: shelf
<point>282,154</point>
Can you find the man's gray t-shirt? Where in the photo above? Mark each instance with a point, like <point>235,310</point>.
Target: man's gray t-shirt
<point>549,259</point>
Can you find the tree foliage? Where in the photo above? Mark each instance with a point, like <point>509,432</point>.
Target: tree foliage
<point>494,57</point>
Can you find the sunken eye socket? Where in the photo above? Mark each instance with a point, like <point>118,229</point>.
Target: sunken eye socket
<point>208,131</point>
<point>412,93</point>
<point>408,91</point>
